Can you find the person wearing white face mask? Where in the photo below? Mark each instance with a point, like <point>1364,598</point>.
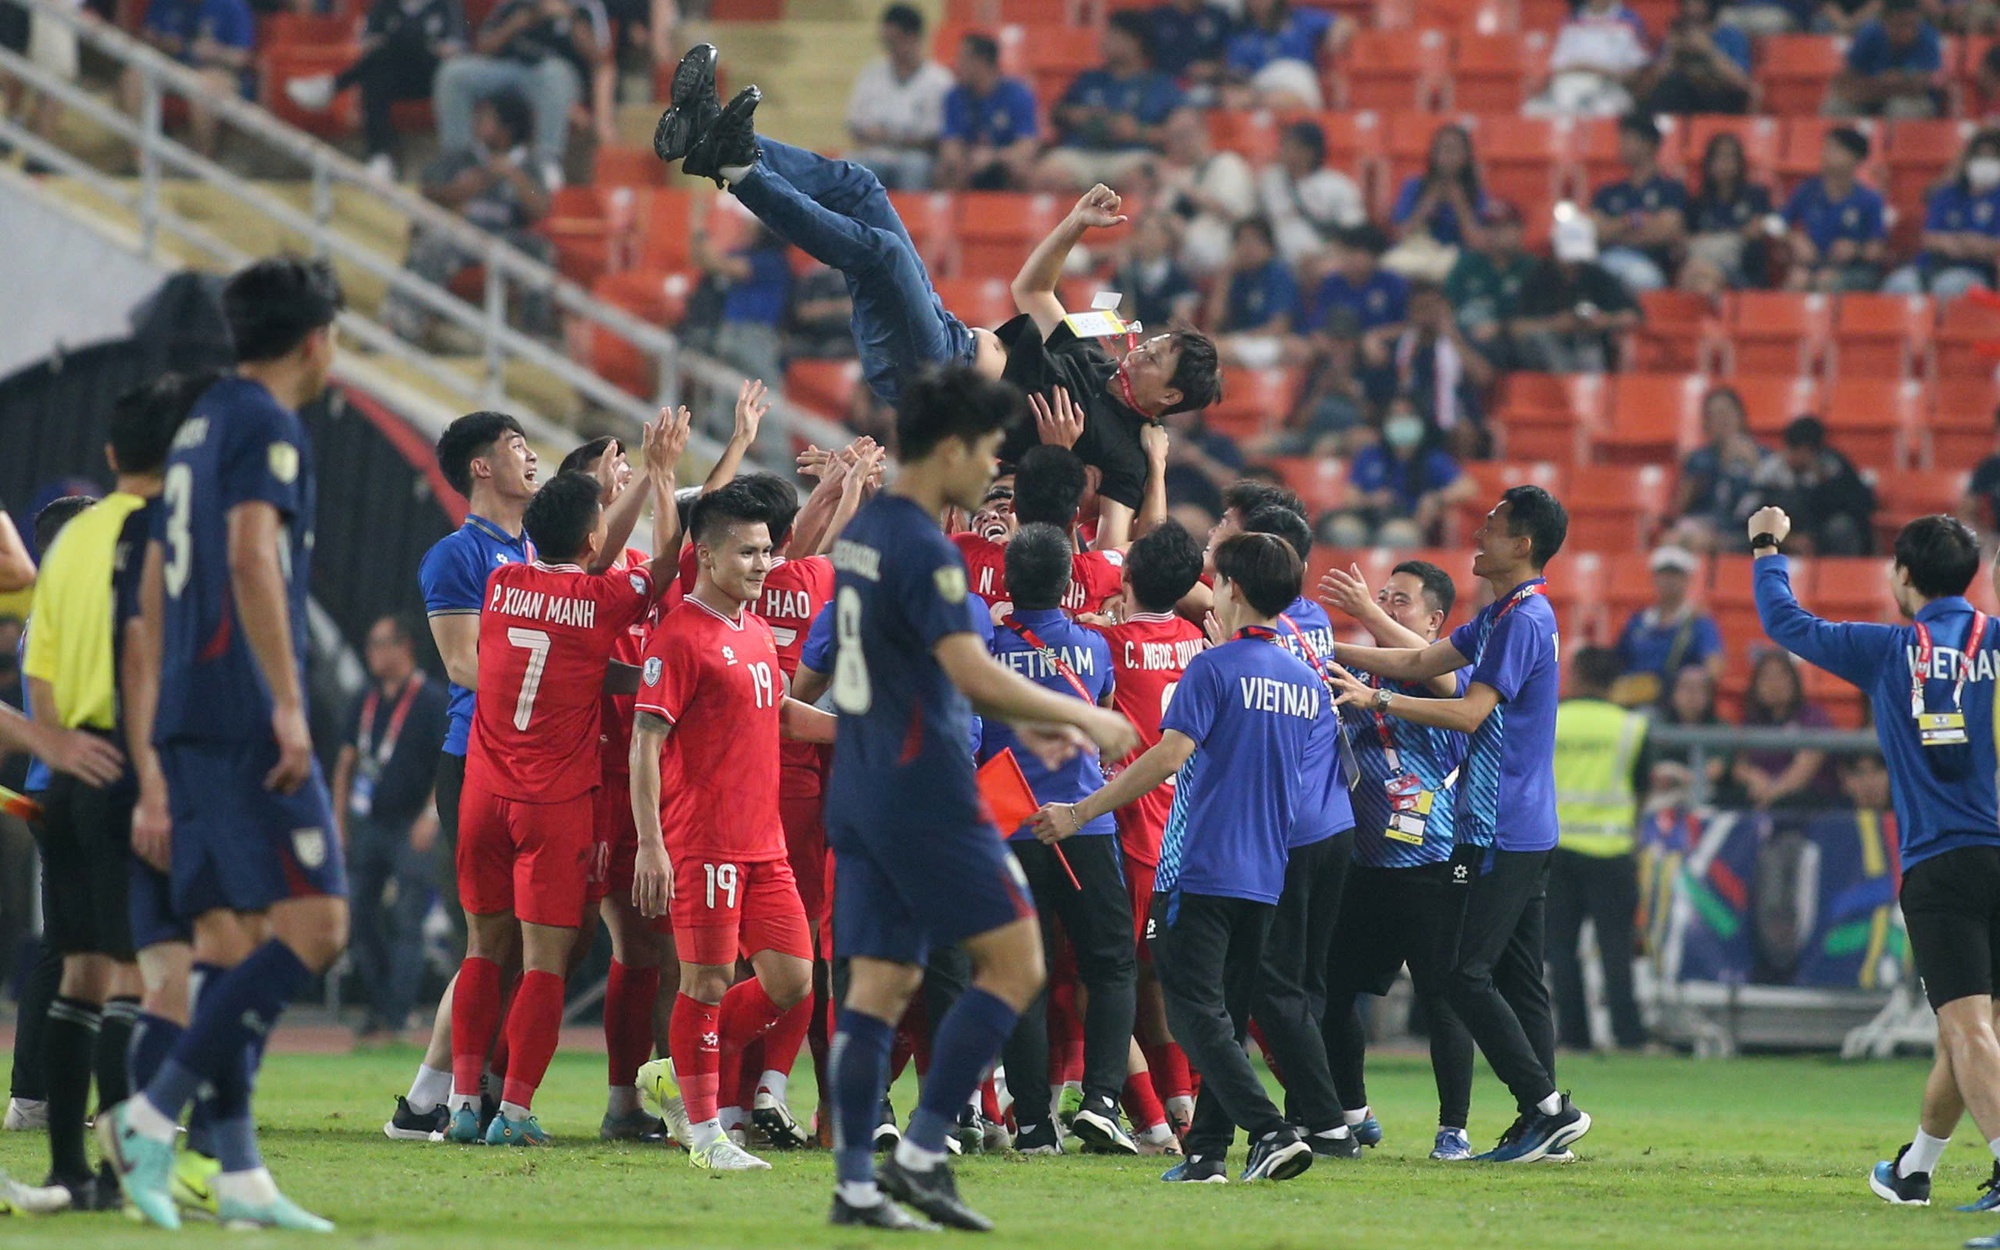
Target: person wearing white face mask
<point>1403,487</point>
<point>1961,228</point>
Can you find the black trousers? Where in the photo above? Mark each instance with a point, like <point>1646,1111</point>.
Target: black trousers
<point>1291,986</point>
<point>1098,919</point>
<point>1208,952</point>
<point>1497,987</point>
<point>450,781</point>
<point>1606,890</point>
<point>401,67</point>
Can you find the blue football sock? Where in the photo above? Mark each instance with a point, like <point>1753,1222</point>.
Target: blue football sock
<point>237,1008</point>
<point>153,1039</point>
<point>968,1038</point>
<point>858,1070</point>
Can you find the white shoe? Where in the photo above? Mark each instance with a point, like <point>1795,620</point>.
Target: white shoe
<point>314,91</point>
<point>19,1199</point>
<point>26,1115</point>
<point>382,166</point>
<point>724,1155</point>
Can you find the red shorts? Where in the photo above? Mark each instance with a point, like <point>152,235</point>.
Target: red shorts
<point>1139,887</point>
<point>723,911</point>
<point>804,817</point>
<point>527,858</point>
<point>614,841</point>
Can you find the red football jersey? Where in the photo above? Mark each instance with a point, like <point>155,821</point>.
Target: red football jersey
<point>717,682</point>
<point>794,592</point>
<point>1094,576</point>
<point>1149,653</point>
<point>628,648</point>
<point>545,638</point>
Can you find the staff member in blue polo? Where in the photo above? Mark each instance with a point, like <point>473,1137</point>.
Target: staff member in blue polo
<point>1931,684</point>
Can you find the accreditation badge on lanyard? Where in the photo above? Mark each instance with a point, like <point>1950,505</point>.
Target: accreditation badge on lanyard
<point>1349,767</point>
<point>1944,729</point>
<point>371,757</point>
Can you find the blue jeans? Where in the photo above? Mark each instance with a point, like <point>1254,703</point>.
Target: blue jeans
<point>552,87</point>
<point>388,937</point>
<point>837,213</point>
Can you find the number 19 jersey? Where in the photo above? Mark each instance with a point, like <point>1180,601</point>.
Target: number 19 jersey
<point>546,634</point>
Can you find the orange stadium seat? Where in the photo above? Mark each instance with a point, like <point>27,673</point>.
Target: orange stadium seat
<point>578,223</point>
<point>1319,480</point>
<point>650,295</point>
<point>1876,420</point>
<point>1354,144</point>
<point>1805,138</point>
<point>1902,495</point>
<point>825,386</point>
<point>1961,429</point>
<point>1577,595</point>
<point>1654,417</point>
<point>1615,507</point>
<point>1772,402</point>
<point>1794,71</point>
<point>280,63</point>
<point>1548,416</point>
<point>1495,73</point>
<point>1918,152</point>
<point>665,221</point>
<point>1593,154</point>
<point>984,302</point>
<point>1254,402</point>
<point>1882,336</point>
<point>1394,69</point>
<point>1733,602</point>
<point>928,216</point>
<point>996,228</point>
<point>1012,39</point>
<point>1054,61</point>
<point>1254,133</point>
<point>1492,477</point>
<point>1525,159</point>
<point>1777,332</point>
<point>1676,333</point>
<point>1853,588</point>
<point>616,166</point>
<point>1967,335</point>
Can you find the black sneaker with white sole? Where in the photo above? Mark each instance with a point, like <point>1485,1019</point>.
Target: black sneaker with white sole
<point>1038,1139</point>
<point>1198,1170</point>
<point>692,106</point>
<point>932,1193</point>
<point>774,1120</point>
<point>1277,1156</point>
<point>887,1134</point>
<point>408,1125</point>
<point>884,1215</point>
<point>1097,1127</point>
<point>731,140</point>
<point>1890,1185</point>
<point>1337,1143</point>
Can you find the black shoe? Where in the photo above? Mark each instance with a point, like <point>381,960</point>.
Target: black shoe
<point>1096,1126</point>
<point>1891,1186</point>
<point>884,1215</point>
<point>83,1195</point>
<point>732,140</point>
<point>109,1196</point>
<point>1038,1139</point>
<point>1277,1156</point>
<point>408,1125</point>
<point>489,1110</point>
<point>934,1193</point>
<point>1328,1146</point>
<point>693,107</point>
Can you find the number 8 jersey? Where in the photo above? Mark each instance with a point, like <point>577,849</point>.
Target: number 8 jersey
<point>546,632</point>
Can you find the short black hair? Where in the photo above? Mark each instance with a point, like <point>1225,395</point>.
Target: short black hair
<point>952,402</point>
<point>1048,486</point>
<point>1595,669</point>
<point>561,516</point>
<point>734,501</point>
<point>515,114</point>
<point>468,438</point>
<point>984,47</point>
<point>1308,135</point>
<point>1941,553</point>
<point>274,304</point>
<point>1283,522</point>
<point>55,514</point>
<point>1038,566</point>
<point>1198,373</point>
<point>906,18</point>
<point>1640,125</point>
<point>145,418</point>
<point>1853,140</point>
<point>584,459</point>
<point>1439,590</point>
<point>1808,433</point>
<point>781,502</point>
<point>1263,568</point>
<point>1163,564</point>
<point>1899,6</point>
<point>1246,495</point>
<point>1533,512</point>
<point>1137,25</point>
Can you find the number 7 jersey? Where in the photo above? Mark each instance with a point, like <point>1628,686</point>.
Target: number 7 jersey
<point>546,633</point>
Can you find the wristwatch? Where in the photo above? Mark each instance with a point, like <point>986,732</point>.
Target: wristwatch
<point>1764,542</point>
<point>1382,698</point>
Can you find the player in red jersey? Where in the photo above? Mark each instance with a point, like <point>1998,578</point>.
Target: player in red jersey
<point>526,823</point>
<point>705,786</point>
<point>639,946</point>
<point>1150,648</point>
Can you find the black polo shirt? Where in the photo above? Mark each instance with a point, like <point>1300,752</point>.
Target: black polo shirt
<point>1110,426</point>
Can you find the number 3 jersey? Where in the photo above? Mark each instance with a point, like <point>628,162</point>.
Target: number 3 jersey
<point>546,633</point>
<point>716,680</point>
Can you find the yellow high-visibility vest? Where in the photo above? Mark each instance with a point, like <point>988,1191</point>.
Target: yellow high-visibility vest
<point>1597,743</point>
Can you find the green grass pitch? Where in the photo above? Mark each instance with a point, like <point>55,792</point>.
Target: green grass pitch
<point>1751,1153</point>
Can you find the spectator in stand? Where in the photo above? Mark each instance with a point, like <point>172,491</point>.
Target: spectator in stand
<point>1961,228</point>
<point>1980,508</point>
<point>1377,299</point>
<point>1484,287</point>
<point>545,50</point>
<point>402,45</point>
<point>1209,191</point>
<point>1438,209</point>
<point>1864,782</point>
<point>1840,17</point>
<point>1572,309</point>
<point>1893,67</point>
<point>216,39</point>
<point>1157,290</point>
<point>988,140</point>
<point>1727,223</point>
<point>496,185</point>
<point>756,283</point>
<point>1673,633</point>
<point>1332,403</point>
<point>1718,478</point>
<point>1767,17</point>
<point>1833,504</point>
<point>1987,79</point>
<point>1403,486</point>
<point>1783,777</point>
<point>1704,68</point>
<point>1598,52</point>
<point>1305,201</point>
<point>1275,53</point>
<point>1641,218</point>
<point>1690,701</point>
<point>1251,312</point>
<point>818,315</point>
<point>896,111</point>
<point>1191,42</point>
<point>1439,371</point>
<point>1108,122</point>
<point>1201,463</point>
<point>1838,235</point>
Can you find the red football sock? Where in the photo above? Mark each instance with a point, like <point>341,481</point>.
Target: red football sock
<point>475,1017</point>
<point>1142,1105</point>
<point>533,1024</point>
<point>628,1020</point>
<point>1257,1035</point>
<point>747,1014</point>
<point>697,1055</point>
<point>1170,1070</point>
<point>783,1043</point>
<point>749,1066</point>
<point>989,1100</point>
<point>1065,1033</point>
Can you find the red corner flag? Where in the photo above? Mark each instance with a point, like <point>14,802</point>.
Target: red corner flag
<point>1008,797</point>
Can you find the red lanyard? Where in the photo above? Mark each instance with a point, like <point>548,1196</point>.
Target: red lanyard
<point>1920,668</point>
<point>397,715</point>
<point>1528,589</point>
<point>1051,656</point>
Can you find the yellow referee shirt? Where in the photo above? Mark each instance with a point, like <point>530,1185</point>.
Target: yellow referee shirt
<point>69,639</point>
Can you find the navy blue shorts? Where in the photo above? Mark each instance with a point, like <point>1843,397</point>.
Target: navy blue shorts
<point>149,895</point>
<point>238,846</point>
<point>899,895</point>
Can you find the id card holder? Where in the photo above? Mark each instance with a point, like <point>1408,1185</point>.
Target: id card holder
<point>1409,810</point>
<point>1942,729</point>
<point>1102,321</point>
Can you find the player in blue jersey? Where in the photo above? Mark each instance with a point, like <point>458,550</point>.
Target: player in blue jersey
<point>1080,882</point>
<point>1235,738</point>
<point>255,864</point>
<point>1931,684</point>
<point>918,862</point>
<point>1399,905</point>
<point>1505,822</point>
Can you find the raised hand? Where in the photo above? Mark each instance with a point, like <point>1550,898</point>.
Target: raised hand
<point>1347,590</point>
<point>1057,421</point>
<point>667,440</point>
<point>1771,521</point>
<point>751,405</point>
<point>1099,207</point>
